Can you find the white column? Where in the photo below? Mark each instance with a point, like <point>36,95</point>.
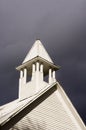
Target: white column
<point>54,74</point>
<point>50,75</point>
<point>41,70</point>
<point>37,66</point>
<point>33,71</point>
<point>20,83</point>
<point>37,76</point>
<point>33,68</point>
<point>54,78</point>
<point>21,74</point>
<point>25,75</point>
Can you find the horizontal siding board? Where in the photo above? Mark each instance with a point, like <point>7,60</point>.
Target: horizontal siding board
<point>49,115</point>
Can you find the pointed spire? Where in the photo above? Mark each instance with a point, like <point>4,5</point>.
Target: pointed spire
<point>37,50</point>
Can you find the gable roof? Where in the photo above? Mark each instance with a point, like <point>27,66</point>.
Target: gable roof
<point>10,113</point>
<point>37,50</point>
<point>12,109</point>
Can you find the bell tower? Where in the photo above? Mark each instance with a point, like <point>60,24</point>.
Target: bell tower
<point>37,64</point>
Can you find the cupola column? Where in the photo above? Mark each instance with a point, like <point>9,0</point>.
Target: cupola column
<point>37,76</point>
<point>41,70</point>
<point>33,68</point>
<point>25,75</point>
<point>54,78</point>
<point>21,73</point>
<point>37,66</point>
<point>33,71</point>
<point>50,76</point>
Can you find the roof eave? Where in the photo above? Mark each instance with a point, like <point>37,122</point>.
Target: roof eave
<point>46,64</point>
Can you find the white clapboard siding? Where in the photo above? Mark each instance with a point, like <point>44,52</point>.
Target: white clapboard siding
<point>49,115</point>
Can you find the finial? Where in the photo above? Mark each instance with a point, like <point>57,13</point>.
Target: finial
<point>37,39</point>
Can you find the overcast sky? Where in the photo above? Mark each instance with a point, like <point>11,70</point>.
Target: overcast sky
<point>61,26</point>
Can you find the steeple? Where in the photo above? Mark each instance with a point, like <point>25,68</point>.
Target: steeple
<point>37,50</point>
<point>37,64</point>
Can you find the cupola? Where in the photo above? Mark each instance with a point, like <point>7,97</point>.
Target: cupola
<point>37,64</point>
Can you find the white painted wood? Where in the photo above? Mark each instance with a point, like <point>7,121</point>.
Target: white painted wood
<point>37,66</point>
<point>25,75</point>
<point>21,73</point>
<point>56,112</point>
<point>50,76</point>
<point>37,50</point>
<point>54,76</point>
<point>41,68</point>
<point>33,72</point>
<point>33,68</point>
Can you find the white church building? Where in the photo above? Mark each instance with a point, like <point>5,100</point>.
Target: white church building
<point>41,105</point>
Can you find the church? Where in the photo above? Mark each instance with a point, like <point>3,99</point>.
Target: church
<point>42,103</point>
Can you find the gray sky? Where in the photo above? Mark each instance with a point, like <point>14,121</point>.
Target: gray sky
<point>61,26</point>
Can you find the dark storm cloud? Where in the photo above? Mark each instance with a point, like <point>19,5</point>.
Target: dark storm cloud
<point>61,26</point>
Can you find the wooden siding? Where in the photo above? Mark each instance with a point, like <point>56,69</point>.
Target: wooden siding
<point>49,115</point>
